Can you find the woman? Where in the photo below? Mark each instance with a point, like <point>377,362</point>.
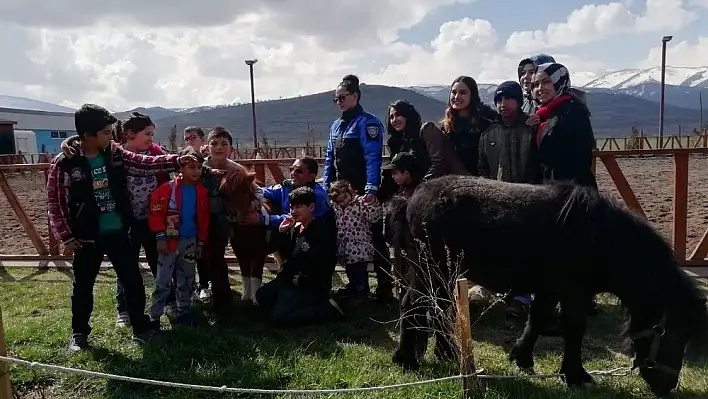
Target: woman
<point>354,152</point>
<point>565,138</point>
<point>433,151</point>
<point>466,117</point>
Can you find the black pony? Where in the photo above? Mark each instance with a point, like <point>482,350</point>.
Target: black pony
<point>561,242</point>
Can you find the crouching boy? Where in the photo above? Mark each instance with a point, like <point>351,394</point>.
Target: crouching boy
<point>179,216</point>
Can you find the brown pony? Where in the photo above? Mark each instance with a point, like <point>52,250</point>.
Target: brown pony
<point>241,193</point>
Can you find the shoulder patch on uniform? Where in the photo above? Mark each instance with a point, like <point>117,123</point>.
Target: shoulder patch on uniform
<point>372,131</point>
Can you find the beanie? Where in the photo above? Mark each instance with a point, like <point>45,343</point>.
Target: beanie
<point>509,89</point>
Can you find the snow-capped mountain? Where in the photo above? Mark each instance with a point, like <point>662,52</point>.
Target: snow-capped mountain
<point>677,76</point>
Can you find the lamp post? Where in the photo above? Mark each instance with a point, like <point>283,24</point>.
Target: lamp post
<point>664,40</point>
<point>253,103</point>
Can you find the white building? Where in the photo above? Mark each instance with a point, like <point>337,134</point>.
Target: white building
<point>50,124</point>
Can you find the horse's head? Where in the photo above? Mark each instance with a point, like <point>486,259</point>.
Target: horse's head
<point>396,229</point>
<point>658,339</point>
<point>237,187</point>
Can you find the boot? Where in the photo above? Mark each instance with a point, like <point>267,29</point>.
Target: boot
<point>247,288</point>
<point>255,285</point>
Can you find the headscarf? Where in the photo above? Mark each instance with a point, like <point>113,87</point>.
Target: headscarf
<point>559,76</point>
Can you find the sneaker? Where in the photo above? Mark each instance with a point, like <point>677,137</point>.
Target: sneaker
<point>335,305</point>
<point>147,335</point>
<point>78,342</point>
<point>517,309</point>
<point>123,320</point>
<point>204,294</point>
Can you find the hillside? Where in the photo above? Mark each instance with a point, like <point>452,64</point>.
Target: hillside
<point>296,120</point>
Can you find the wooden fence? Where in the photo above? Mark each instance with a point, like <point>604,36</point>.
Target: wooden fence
<point>694,260</point>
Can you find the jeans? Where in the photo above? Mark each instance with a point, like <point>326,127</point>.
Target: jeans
<point>85,267</point>
<point>182,265</point>
<point>140,236</point>
<point>289,305</point>
<point>214,250</point>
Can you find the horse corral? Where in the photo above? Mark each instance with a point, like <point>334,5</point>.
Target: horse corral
<point>668,186</point>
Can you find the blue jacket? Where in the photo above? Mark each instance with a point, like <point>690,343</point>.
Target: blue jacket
<point>354,151</point>
<point>278,194</point>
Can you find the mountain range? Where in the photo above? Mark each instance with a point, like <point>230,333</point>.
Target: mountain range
<point>618,101</point>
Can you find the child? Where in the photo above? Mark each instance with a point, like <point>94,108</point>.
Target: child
<point>90,212</point>
<point>179,216</point>
<point>138,131</point>
<point>404,172</point>
<point>354,237</point>
<point>194,137</point>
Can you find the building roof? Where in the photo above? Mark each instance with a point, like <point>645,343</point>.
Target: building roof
<point>7,122</point>
<point>28,104</point>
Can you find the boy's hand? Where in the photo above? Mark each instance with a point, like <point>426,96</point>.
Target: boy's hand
<point>185,159</point>
<point>162,247</point>
<point>286,224</point>
<point>71,246</point>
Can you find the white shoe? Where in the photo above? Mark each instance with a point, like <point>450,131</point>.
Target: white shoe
<point>255,285</point>
<point>247,289</point>
<point>204,294</point>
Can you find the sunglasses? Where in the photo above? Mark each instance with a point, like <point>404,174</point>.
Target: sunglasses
<point>297,171</point>
<point>340,98</point>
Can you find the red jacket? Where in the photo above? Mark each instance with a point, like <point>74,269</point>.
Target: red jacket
<point>164,220</point>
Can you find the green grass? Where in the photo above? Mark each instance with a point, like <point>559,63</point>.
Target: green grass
<point>247,353</point>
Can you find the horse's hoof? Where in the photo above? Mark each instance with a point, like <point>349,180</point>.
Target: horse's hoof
<point>406,362</point>
<point>578,379</point>
<point>522,360</point>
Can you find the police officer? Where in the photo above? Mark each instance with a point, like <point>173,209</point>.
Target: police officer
<point>354,152</point>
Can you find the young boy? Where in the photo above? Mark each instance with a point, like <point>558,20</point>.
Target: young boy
<point>355,249</point>
<point>179,217</point>
<point>213,267</point>
<point>404,172</point>
<point>507,152</point>
<point>90,212</point>
<point>299,294</point>
<point>194,137</point>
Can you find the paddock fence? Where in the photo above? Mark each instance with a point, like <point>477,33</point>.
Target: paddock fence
<point>48,252</point>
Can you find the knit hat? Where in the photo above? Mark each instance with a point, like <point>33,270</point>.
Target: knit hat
<point>509,89</point>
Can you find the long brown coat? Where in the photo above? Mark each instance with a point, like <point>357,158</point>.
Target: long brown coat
<point>443,157</point>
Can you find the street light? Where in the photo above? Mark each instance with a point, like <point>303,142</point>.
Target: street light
<point>253,103</point>
<point>664,40</point>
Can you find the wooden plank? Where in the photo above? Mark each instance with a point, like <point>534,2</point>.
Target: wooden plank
<point>5,385</point>
<point>622,184</point>
<point>680,208</point>
<point>701,249</point>
<point>22,215</point>
<point>53,242</point>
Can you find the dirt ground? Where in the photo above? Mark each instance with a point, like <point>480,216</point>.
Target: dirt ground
<point>650,178</point>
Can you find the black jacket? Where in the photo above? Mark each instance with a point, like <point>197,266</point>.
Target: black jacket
<point>567,143</point>
<point>311,254</point>
<point>466,134</point>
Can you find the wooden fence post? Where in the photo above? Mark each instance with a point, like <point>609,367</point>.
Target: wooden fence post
<point>463,334</point>
<point>5,385</point>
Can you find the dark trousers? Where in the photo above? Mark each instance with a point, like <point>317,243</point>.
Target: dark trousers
<point>289,305</point>
<point>382,260</point>
<point>140,236</point>
<point>358,276</point>
<point>85,267</point>
<point>203,272</point>
<point>214,250</point>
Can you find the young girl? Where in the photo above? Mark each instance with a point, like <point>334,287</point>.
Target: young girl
<point>355,247</point>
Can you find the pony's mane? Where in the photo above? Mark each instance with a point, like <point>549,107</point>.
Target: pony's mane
<point>238,185</point>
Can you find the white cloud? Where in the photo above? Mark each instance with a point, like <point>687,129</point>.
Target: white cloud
<point>131,53</point>
<point>594,22</point>
<point>682,53</point>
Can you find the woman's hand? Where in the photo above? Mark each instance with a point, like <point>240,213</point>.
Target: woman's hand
<point>286,224</point>
<point>533,120</point>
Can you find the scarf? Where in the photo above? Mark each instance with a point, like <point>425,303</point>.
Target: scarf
<point>546,111</point>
